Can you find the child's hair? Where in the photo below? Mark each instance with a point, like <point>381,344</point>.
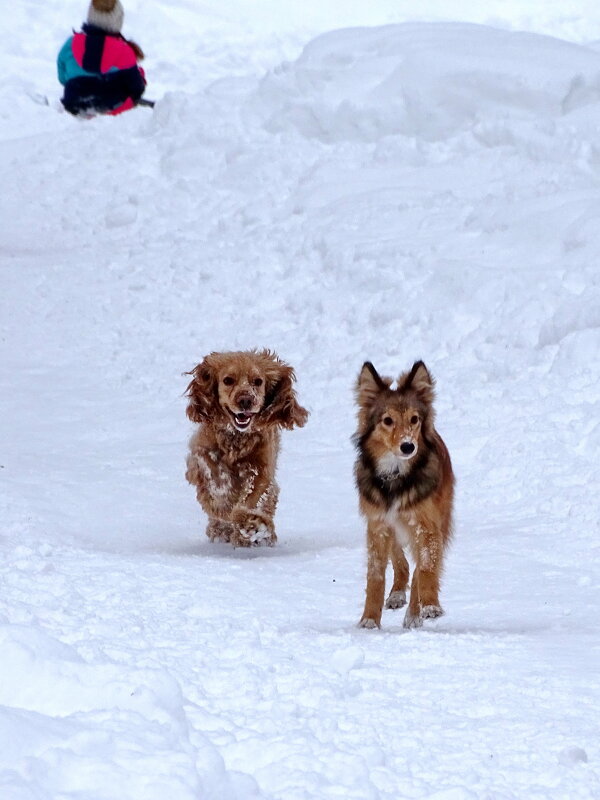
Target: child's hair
<point>139,53</point>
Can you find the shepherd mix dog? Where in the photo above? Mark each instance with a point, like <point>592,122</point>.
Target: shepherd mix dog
<point>406,486</point>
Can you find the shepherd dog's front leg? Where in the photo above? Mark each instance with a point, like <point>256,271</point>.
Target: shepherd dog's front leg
<point>379,540</point>
<point>425,588</point>
<point>397,597</point>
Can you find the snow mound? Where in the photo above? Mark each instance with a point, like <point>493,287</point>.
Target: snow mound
<point>100,727</point>
<point>425,80</point>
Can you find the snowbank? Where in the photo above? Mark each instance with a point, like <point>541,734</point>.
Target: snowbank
<point>95,728</point>
<point>427,81</point>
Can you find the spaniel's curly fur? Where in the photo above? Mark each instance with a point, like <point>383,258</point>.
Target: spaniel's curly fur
<point>240,401</point>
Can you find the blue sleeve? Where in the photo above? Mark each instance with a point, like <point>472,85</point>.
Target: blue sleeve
<point>65,56</point>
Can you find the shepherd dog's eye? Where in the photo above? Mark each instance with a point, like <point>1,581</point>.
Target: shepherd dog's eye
<point>258,381</point>
<point>414,419</point>
<point>388,421</point>
<point>228,380</point>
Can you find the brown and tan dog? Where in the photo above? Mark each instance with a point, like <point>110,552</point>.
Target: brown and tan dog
<point>406,486</point>
<point>241,401</point>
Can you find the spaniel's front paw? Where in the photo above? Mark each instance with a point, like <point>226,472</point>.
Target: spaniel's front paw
<point>252,529</point>
<point>218,530</point>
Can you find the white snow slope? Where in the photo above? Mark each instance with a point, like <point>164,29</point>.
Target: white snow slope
<point>418,187</point>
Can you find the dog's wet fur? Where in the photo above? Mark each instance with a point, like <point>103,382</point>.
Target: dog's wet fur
<point>240,402</point>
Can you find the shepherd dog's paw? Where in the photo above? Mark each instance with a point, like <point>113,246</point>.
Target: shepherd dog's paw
<point>368,622</point>
<point>431,612</point>
<point>396,600</point>
<point>412,620</point>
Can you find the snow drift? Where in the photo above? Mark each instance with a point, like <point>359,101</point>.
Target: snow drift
<point>427,81</point>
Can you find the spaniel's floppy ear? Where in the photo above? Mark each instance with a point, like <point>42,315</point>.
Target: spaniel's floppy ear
<point>281,405</point>
<point>419,381</point>
<point>202,391</point>
<point>369,384</point>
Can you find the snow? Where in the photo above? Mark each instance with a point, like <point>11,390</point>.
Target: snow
<point>339,184</point>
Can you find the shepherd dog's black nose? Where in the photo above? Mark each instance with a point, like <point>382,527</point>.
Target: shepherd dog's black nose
<point>407,448</point>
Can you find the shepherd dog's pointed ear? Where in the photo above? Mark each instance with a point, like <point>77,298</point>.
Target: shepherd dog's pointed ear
<point>420,381</point>
<point>369,384</point>
<point>201,391</point>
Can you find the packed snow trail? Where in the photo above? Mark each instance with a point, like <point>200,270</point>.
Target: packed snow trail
<point>422,190</point>
<point>173,676</point>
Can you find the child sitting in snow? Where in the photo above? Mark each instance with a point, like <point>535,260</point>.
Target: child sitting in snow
<point>98,67</point>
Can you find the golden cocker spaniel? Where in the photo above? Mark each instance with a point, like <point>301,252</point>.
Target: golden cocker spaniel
<point>241,401</point>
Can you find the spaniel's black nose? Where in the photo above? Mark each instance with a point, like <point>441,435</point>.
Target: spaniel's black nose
<point>245,401</point>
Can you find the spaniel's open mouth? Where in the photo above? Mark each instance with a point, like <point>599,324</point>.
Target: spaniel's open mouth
<point>241,419</point>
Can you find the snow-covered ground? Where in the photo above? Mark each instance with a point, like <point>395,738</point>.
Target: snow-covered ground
<point>338,182</point>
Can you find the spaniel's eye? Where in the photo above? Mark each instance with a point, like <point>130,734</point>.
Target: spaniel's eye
<point>258,381</point>
<point>414,419</point>
<point>228,380</point>
<point>388,421</point>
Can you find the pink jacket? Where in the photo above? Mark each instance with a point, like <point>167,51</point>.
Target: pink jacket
<point>85,54</point>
